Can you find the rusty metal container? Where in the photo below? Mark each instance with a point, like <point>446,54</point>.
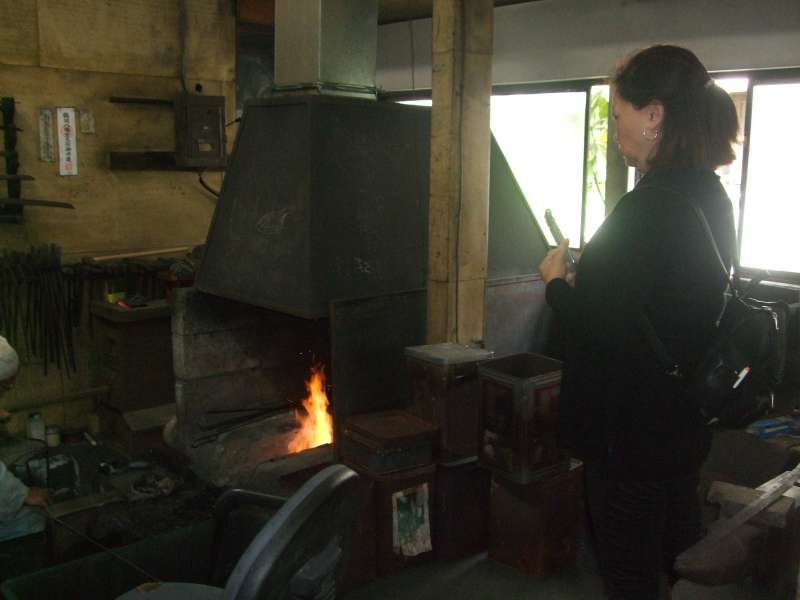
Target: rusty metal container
<point>360,564</point>
<point>536,527</point>
<point>404,507</point>
<point>445,391</point>
<point>461,517</point>
<point>518,416</point>
<point>387,441</point>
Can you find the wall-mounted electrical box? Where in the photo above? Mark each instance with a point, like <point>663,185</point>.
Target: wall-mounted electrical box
<point>200,141</point>
<point>200,131</point>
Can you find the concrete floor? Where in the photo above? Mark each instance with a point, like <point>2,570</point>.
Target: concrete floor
<point>736,457</point>
<point>478,578</point>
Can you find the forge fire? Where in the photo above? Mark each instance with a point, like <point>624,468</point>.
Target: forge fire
<point>316,423</point>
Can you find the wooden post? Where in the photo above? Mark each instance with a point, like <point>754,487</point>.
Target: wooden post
<point>459,188</point>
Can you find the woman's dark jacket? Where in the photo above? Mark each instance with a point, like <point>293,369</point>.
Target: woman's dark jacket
<point>649,256</point>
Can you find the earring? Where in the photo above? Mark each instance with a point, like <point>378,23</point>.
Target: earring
<point>651,136</point>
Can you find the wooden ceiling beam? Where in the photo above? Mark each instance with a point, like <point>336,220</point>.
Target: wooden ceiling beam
<point>397,11</point>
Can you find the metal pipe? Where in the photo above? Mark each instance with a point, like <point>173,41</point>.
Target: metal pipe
<point>154,252</point>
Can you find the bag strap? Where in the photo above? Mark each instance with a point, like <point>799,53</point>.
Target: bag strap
<point>669,364</point>
<point>701,217</point>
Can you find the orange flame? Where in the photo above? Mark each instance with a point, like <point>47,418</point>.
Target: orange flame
<point>316,424</point>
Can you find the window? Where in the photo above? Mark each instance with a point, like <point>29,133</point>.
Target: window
<point>761,182</point>
<point>555,137</point>
<point>771,189</point>
<point>542,137</point>
<point>558,161</point>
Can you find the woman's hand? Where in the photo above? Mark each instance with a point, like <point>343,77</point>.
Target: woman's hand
<point>554,264</point>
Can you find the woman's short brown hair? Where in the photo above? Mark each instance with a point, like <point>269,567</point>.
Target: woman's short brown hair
<point>700,123</point>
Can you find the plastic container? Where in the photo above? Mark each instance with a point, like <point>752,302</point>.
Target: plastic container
<point>36,428</point>
<point>53,436</point>
<point>446,393</point>
<point>520,397</point>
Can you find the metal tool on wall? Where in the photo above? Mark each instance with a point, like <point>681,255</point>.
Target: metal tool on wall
<point>11,213</point>
<point>11,207</point>
<point>40,305</point>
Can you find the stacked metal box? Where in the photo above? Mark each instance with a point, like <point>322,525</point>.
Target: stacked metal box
<point>445,391</point>
<point>520,397</point>
<point>536,527</point>
<point>536,501</point>
<point>394,450</point>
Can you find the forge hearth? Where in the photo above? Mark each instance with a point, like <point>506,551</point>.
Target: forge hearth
<point>240,374</point>
<point>231,358</point>
<point>256,457</point>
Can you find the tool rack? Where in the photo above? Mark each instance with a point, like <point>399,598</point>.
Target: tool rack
<point>11,212</point>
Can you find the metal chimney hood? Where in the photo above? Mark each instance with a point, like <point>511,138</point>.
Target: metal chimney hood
<point>324,198</point>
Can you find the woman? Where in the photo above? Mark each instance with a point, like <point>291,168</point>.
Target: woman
<point>641,439</point>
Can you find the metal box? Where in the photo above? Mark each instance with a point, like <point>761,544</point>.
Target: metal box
<point>461,509</point>
<point>536,527</point>
<point>387,441</point>
<point>360,563</point>
<point>200,131</point>
<point>518,416</point>
<point>134,350</point>
<point>445,392</point>
<point>405,518</point>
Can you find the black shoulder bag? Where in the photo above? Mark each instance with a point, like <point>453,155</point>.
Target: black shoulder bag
<point>734,382</point>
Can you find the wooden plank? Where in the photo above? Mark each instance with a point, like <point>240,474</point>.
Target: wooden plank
<point>211,40</point>
<point>146,419</point>
<point>116,211</point>
<point>19,34</point>
<point>145,38</point>
<point>733,498</point>
<point>158,160</point>
<point>458,219</point>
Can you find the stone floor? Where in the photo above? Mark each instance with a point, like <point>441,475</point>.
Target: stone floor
<point>479,578</point>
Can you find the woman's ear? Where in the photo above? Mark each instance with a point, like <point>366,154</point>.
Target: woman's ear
<point>655,114</point>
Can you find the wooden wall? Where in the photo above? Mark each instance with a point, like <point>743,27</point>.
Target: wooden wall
<point>78,53</point>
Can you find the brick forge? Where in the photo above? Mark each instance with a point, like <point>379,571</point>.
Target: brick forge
<point>240,372</point>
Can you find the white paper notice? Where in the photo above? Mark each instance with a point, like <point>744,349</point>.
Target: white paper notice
<point>67,142</point>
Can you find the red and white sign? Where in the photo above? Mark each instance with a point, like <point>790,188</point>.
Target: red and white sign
<point>67,142</point>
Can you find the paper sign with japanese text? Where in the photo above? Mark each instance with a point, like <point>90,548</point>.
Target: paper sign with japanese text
<point>67,142</point>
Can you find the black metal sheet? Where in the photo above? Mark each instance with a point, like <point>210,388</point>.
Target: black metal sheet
<point>516,242</point>
<point>517,316</point>
<point>368,341</point>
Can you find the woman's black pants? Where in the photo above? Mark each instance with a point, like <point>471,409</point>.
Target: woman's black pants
<point>639,527</point>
